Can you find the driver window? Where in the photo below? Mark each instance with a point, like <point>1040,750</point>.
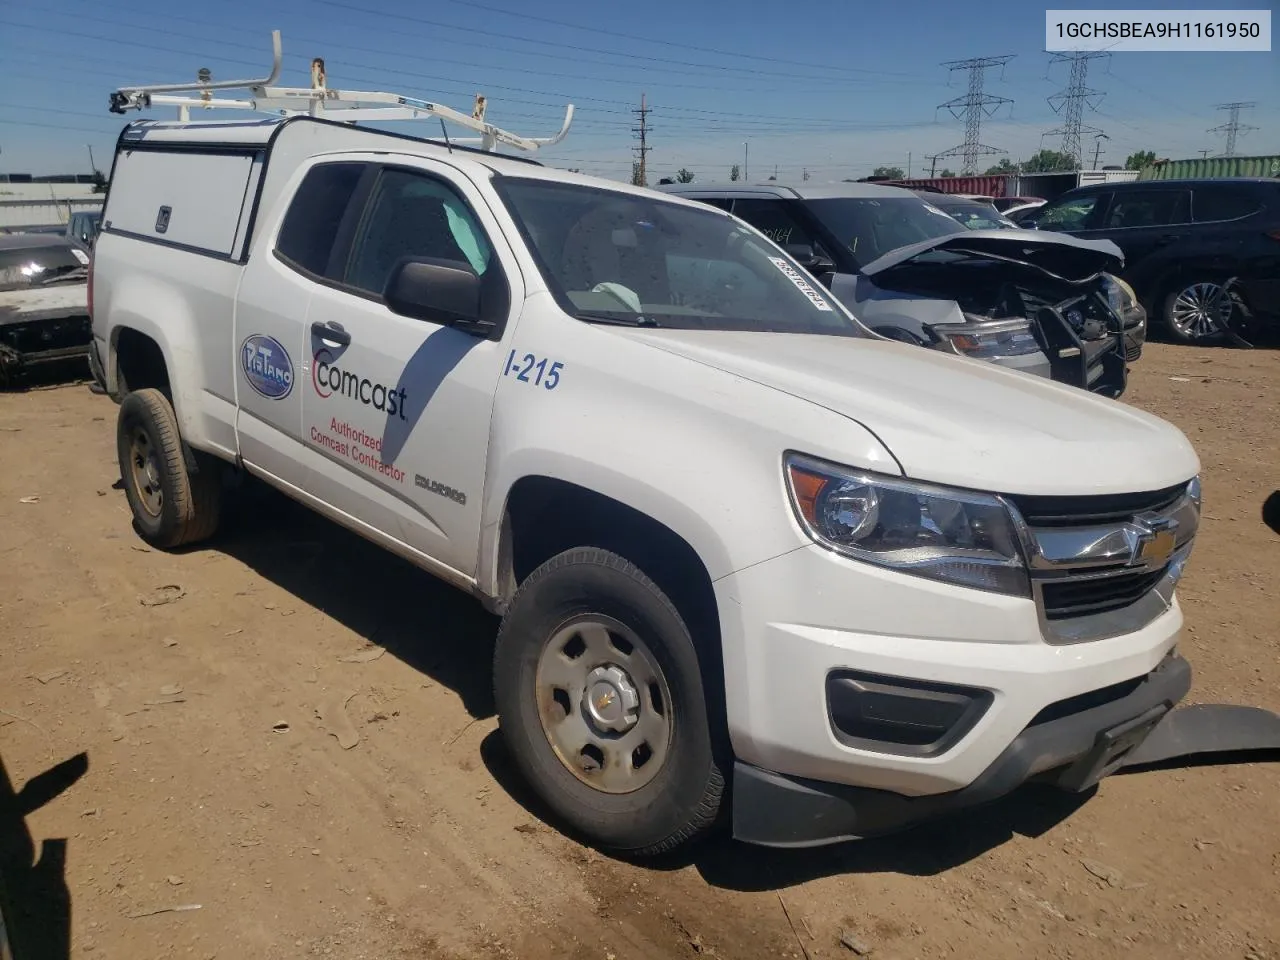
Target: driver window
<point>775,221</point>
<point>412,215</point>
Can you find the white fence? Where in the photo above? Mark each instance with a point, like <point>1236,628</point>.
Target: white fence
<point>39,213</point>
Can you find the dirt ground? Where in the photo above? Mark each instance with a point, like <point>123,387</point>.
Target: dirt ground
<point>177,726</point>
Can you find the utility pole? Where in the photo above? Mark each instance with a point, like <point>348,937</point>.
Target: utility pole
<point>1233,127</point>
<point>639,173</point>
<point>805,175</point>
<point>972,107</point>
<point>1071,101</point>
<point>933,165</point>
<point>746,156</point>
<point>1097,147</point>
<point>908,164</point>
<point>93,167</point>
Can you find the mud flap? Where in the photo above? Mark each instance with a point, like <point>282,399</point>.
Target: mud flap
<point>1205,729</point>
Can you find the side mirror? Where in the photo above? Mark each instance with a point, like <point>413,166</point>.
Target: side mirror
<point>446,292</point>
<point>811,261</point>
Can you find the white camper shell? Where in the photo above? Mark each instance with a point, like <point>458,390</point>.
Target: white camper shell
<point>734,539</point>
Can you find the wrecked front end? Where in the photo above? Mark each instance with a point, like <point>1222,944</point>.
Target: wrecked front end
<point>41,326</point>
<point>1047,308</point>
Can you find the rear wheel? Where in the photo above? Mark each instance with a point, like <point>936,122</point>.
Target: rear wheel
<point>172,505</point>
<point>1196,311</point>
<point>601,703</point>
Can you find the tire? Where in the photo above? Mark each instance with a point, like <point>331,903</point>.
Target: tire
<point>1180,302</point>
<point>172,504</point>
<point>657,809</point>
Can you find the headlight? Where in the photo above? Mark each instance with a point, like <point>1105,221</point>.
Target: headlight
<point>985,339</point>
<point>956,536</point>
<point>1120,296</point>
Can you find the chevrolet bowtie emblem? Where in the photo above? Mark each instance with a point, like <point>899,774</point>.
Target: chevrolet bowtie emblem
<point>1157,549</point>
<point>602,703</point>
<point>1152,540</point>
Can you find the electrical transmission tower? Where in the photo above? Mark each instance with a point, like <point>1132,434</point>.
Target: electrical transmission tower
<point>639,174</point>
<point>1233,127</point>
<point>1071,101</point>
<point>971,108</point>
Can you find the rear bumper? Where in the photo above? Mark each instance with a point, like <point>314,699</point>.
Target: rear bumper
<point>1070,745</point>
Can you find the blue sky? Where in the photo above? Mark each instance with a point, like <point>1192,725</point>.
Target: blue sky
<point>838,91</point>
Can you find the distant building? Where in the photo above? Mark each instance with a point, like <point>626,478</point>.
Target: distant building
<point>53,186</point>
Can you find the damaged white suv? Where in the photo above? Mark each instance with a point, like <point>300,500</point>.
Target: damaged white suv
<point>735,540</point>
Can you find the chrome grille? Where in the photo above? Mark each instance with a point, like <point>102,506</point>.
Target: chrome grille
<point>1077,598</point>
<point>1085,511</point>
<point>1105,565</point>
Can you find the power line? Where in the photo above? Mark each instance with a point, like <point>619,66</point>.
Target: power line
<point>972,107</point>
<point>641,132</point>
<point>625,36</point>
<point>1233,127</point>
<point>1071,101</point>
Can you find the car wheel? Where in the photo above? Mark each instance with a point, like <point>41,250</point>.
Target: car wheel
<point>1195,312</point>
<point>600,700</point>
<point>172,504</point>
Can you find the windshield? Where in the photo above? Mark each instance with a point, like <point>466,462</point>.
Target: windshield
<point>872,227</point>
<point>25,267</point>
<point>612,257</point>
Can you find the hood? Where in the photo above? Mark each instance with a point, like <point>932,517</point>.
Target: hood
<point>1063,256</point>
<point>953,420</point>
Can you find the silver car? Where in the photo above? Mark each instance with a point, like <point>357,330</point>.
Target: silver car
<point>1045,304</point>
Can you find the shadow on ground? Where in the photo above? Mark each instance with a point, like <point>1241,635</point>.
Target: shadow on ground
<point>33,889</point>
<point>433,627</point>
<point>923,851</point>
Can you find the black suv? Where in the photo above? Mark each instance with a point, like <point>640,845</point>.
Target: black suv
<point>1182,239</point>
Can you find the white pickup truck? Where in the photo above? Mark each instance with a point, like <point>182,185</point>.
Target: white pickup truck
<point>748,555</point>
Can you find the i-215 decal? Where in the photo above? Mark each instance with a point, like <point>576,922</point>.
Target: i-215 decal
<point>530,369</point>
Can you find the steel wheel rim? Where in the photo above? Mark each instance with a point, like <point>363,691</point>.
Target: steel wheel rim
<point>1193,314</point>
<point>145,467</point>
<point>604,704</point>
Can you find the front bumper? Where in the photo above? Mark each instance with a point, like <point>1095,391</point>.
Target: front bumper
<point>1069,745</point>
<point>790,623</point>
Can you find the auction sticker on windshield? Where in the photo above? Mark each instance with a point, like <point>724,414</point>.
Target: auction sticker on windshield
<point>801,283</point>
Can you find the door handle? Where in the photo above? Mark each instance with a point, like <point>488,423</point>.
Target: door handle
<point>331,333</point>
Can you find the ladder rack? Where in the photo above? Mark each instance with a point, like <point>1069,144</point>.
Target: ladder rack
<point>319,100</point>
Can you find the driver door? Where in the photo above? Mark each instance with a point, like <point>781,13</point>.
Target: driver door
<point>398,409</point>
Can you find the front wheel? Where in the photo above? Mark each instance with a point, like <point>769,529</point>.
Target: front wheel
<point>600,699</point>
<point>1196,311</point>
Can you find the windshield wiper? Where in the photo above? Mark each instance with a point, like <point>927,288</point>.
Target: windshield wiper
<point>612,320</point>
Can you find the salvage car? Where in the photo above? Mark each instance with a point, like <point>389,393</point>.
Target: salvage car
<point>1182,240</point>
<point>44,310</point>
<point>912,273</point>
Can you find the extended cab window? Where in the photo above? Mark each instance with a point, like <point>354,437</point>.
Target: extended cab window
<point>412,215</point>
<point>630,260</point>
<point>311,224</point>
